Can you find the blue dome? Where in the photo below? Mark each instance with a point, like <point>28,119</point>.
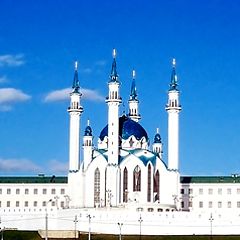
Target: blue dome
<point>157,138</point>
<point>127,128</point>
<point>88,131</point>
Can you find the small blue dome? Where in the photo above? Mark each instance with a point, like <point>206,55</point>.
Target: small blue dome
<point>88,131</point>
<point>127,128</point>
<point>157,138</point>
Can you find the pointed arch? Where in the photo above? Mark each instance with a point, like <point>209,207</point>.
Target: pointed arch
<point>125,185</point>
<point>96,187</point>
<point>137,179</point>
<point>156,185</point>
<point>149,183</point>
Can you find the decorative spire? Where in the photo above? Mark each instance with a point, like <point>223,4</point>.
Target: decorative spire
<point>114,75</point>
<point>133,95</point>
<point>173,84</point>
<point>76,84</point>
<point>88,129</point>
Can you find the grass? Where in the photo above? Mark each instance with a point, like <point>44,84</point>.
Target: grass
<point>30,235</point>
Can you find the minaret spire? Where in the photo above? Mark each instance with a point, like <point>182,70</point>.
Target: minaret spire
<point>133,101</point>
<point>173,84</point>
<point>114,75</point>
<point>76,84</point>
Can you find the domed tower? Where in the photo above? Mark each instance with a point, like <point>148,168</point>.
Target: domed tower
<point>133,101</point>
<point>87,146</point>
<point>75,110</point>
<point>157,144</point>
<point>173,108</point>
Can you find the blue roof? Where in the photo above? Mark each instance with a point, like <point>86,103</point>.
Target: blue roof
<point>127,128</point>
<point>88,131</point>
<point>157,138</point>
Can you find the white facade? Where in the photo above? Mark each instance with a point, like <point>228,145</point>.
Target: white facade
<point>123,179</point>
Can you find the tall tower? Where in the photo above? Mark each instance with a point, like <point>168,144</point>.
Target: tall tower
<point>173,108</point>
<point>113,100</point>
<point>112,172</point>
<point>87,145</point>
<point>133,101</point>
<point>75,110</point>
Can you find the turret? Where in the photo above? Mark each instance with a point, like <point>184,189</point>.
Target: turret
<point>173,108</point>
<point>157,144</point>
<point>133,101</point>
<point>87,145</point>
<point>75,110</point>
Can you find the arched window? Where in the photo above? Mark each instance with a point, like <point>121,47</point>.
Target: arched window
<point>96,187</point>
<point>156,186</point>
<point>137,179</point>
<point>149,183</point>
<point>125,185</point>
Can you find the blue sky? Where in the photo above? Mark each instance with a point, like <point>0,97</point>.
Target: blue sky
<point>40,40</point>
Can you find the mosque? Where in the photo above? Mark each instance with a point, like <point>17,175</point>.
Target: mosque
<point>123,179</point>
<point>123,168</point>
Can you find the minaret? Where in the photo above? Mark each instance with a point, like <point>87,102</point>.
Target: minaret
<point>133,101</point>
<point>113,100</point>
<point>87,145</point>
<point>173,108</point>
<point>112,172</point>
<point>75,110</point>
<point>157,144</point>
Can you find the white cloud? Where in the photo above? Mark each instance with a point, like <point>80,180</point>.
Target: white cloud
<point>100,63</point>
<point>18,165</point>
<point>3,79</point>
<point>58,167</point>
<point>86,70</point>
<point>11,60</point>
<point>63,94</point>
<point>10,95</point>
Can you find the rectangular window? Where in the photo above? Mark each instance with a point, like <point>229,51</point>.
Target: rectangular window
<point>219,191</point>
<point>17,203</point>
<point>229,204</point>
<point>8,191</point>
<point>8,203</point>
<point>200,204</point>
<point>190,204</point>
<point>238,204</point>
<point>200,191</point>
<point>53,191</point>
<point>17,191</point>
<point>35,191</point>
<point>35,203</point>
<point>0,204</point>
<point>182,191</point>
<point>238,191</point>
<point>210,204</point>
<point>26,191</point>
<point>210,191</point>
<point>61,204</point>
<point>62,191</point>
<point>26,204</point>
<point>44,191</point>
<point>229,191</point>
<point>44,204</point>
<point>190,191</point>
<point>53,203</point>
<point>219,204</point>
<point>182,204</point>
<point>0,191</point>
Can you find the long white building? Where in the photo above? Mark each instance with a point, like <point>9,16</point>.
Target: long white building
<point>123,180</point>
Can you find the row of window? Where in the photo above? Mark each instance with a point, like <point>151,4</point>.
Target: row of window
<point>210,191</point>
<point>30,204</point>
<point>210,204</point>
<point>35,191</point>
